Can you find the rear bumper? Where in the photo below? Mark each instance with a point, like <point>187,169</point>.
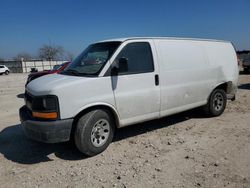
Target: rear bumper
<point>45,131</point>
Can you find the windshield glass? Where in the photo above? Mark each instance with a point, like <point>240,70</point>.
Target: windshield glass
<point>92,60</point>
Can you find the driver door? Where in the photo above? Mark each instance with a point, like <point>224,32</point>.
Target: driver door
<point>136,90</point>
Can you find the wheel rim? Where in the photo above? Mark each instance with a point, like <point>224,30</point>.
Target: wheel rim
<point>100,132</point>
<point>218,101</point>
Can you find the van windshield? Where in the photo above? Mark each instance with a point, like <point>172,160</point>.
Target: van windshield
<point>91,61</point>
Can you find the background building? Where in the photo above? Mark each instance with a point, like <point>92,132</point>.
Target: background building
<point>25,66</point>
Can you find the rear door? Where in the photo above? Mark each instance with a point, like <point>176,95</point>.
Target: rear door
<point>136,91</point>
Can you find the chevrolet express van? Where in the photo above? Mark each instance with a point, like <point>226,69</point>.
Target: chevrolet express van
<point>116,83</point>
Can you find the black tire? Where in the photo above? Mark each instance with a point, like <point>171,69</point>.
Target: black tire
<point>6,72</point>
<point>87,132</point>
<point>216,103</point>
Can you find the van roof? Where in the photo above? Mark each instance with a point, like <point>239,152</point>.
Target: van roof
<point>163,38</point>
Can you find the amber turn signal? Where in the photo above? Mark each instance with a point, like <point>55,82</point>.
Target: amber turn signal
<point>45,115</point>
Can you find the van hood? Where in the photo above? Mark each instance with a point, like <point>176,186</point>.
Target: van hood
<point>50,84</point>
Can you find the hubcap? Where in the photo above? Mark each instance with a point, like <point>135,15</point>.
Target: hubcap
<point>218,101</point>
<point>100,132</point>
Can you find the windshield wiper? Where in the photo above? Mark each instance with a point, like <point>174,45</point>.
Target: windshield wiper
<point>76,73</point>
<point>72,71</point>
<point>86,74</point>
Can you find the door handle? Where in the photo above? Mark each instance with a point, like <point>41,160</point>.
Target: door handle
<point>156,79</point>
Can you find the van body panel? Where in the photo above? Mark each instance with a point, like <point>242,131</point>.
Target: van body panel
<point>222,58</point>
<point>184,74</point>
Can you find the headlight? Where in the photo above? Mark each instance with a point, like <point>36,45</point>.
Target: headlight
<point>45,107</point>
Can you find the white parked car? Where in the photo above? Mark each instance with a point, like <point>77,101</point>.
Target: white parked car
<point>4,70</point>
<point>116,83</point>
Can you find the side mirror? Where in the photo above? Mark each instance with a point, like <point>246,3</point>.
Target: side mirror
<point>121,66</point>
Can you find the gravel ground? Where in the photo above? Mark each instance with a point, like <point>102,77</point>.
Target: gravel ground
<point>184,150</point>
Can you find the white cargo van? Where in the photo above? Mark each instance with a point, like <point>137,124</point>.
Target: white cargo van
<point>120,82</point>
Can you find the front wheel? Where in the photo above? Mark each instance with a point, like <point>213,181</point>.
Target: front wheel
<point>216,103</point>
<point>6,72</point>
<point>94,132</point>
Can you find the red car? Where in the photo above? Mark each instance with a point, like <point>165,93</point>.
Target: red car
<point>56,69</point>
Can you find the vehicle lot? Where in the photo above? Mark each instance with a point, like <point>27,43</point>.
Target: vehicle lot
<point>184,150</point>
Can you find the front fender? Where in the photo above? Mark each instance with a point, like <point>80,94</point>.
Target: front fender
<point>101,104</point>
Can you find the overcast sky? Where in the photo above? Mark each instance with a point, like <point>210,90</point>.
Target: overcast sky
<point>25,25</point>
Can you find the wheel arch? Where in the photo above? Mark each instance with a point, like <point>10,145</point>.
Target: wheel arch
<point>95,106</point>
<point>226,86</point>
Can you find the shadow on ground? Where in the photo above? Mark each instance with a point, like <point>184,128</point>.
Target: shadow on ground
<point>16,147</point>
<point>244,86</point>
<point>145,127</point>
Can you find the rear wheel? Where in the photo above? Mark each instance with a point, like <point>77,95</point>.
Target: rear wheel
<point>216,103</point>
<point>94,132</point>
<point>6,72</point>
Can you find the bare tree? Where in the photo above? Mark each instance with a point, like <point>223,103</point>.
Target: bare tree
<point>69,56</point>
<point>51,52</point>
<point>24,56</point>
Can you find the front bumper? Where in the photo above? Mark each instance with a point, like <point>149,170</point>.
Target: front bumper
<point>45,131</point>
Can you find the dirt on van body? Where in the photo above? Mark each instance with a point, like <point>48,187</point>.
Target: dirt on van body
<point>184,150</point>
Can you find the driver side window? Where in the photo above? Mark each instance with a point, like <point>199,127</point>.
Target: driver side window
<point>139,58</point>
